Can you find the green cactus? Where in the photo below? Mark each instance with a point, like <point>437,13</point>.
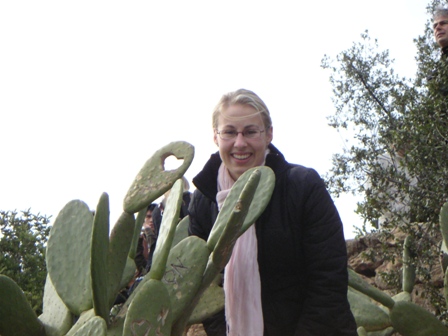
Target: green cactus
<point>229,226</point>
<point>99,257</point>
<point>119,245</point>
<point>362,331</point>
<point>150,313</point>
<point>17,318</point>
<point>82,320</point>
<point>367,314</point>
<point>153,180</point>
<point>210,303</point>
<point>56,317</point>
<point>356,282</point>
<point>95,326</point>
<point>410,319</point>
<point>167,230</point>
<point>405,317</point>
<point>181,230</point>
<point>137,232</point>
<point>408,266</point>
<point>70,272</point>
<point>183,272</point>
<point>262,195</point>
<point>87,266</point>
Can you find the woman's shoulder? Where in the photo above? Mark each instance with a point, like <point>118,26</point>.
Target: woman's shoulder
<point>283,168</point>
<point>297,172</point>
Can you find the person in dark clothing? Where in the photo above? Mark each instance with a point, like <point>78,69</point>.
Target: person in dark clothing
<point>294,260</point>
<point>147,241</point>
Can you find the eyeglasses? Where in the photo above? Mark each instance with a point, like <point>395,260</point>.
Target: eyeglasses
<point>440,23</point>
<point>230,134</point>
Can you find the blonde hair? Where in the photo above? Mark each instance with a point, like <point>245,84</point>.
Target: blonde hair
<point>243,97</point>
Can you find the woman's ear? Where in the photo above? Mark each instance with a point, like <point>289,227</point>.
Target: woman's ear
<point>270,134</point>
<point>215,138</point>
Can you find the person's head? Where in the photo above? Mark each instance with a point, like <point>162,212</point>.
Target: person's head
<point>440,26</point>
<point>242,130</point>
<point>148,223</point>
<point>186,184</point>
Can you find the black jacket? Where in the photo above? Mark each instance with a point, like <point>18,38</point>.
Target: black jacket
<point>301,250</point>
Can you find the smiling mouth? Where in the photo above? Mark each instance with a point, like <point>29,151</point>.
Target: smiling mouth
<point>241,156</point>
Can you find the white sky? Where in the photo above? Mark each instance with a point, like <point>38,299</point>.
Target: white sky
<point>90,89</point>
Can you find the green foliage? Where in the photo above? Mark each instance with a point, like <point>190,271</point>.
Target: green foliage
<point>22,244</point>
<point>397,157</point>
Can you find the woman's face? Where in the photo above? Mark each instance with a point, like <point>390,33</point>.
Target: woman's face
<point>241,153</point>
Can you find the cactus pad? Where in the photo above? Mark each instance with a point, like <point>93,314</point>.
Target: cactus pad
<point>56,317</point>
<point>210,303</point>
<point>99,255</point>
<point>69,263</point>
<point>367,313</point>
<point>153,180</point>
<point>184,269</point>
<point>170,220</point>
<point>356,282</point>
<point>95,326</point>
<point>411,320</point>
<point>262,194</point>
<point>17,318</point>
<point>149,313</point>
<point>119,244</point>
<point>181,230</point>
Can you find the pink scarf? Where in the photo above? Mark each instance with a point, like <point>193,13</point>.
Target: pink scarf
<point>242,286</point>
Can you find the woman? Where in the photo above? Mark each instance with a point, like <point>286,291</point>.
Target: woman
<point>293,261</point>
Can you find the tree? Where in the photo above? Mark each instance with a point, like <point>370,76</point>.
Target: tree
<point>22,244</point>
<point>398,158</point>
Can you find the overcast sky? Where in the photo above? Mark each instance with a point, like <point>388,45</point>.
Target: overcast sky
<point>90,89</point>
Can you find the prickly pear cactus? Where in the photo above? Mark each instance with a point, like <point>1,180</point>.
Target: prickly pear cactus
<point>82,320</point>
<point>401,315</point>
<point>366,312</point>
<point>262,195</point>
<point>228,226</point>
<point>95,326</point>
<point>87,265</point>
<point>183,272</point>
<point>167,230</point>
<point>211,302</point>
<point>17,318</point>
<point>56,317</point>
<point>120,241</point>
<point>99,257</point>
<point>150,313</point>
<point>409,319</point>
<point>153,180</point>
<point>69,264</point>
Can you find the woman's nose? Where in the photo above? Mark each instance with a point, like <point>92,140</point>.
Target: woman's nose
<point>240,140</point>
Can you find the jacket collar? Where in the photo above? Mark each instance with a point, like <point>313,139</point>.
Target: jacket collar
<point>206,180</point>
